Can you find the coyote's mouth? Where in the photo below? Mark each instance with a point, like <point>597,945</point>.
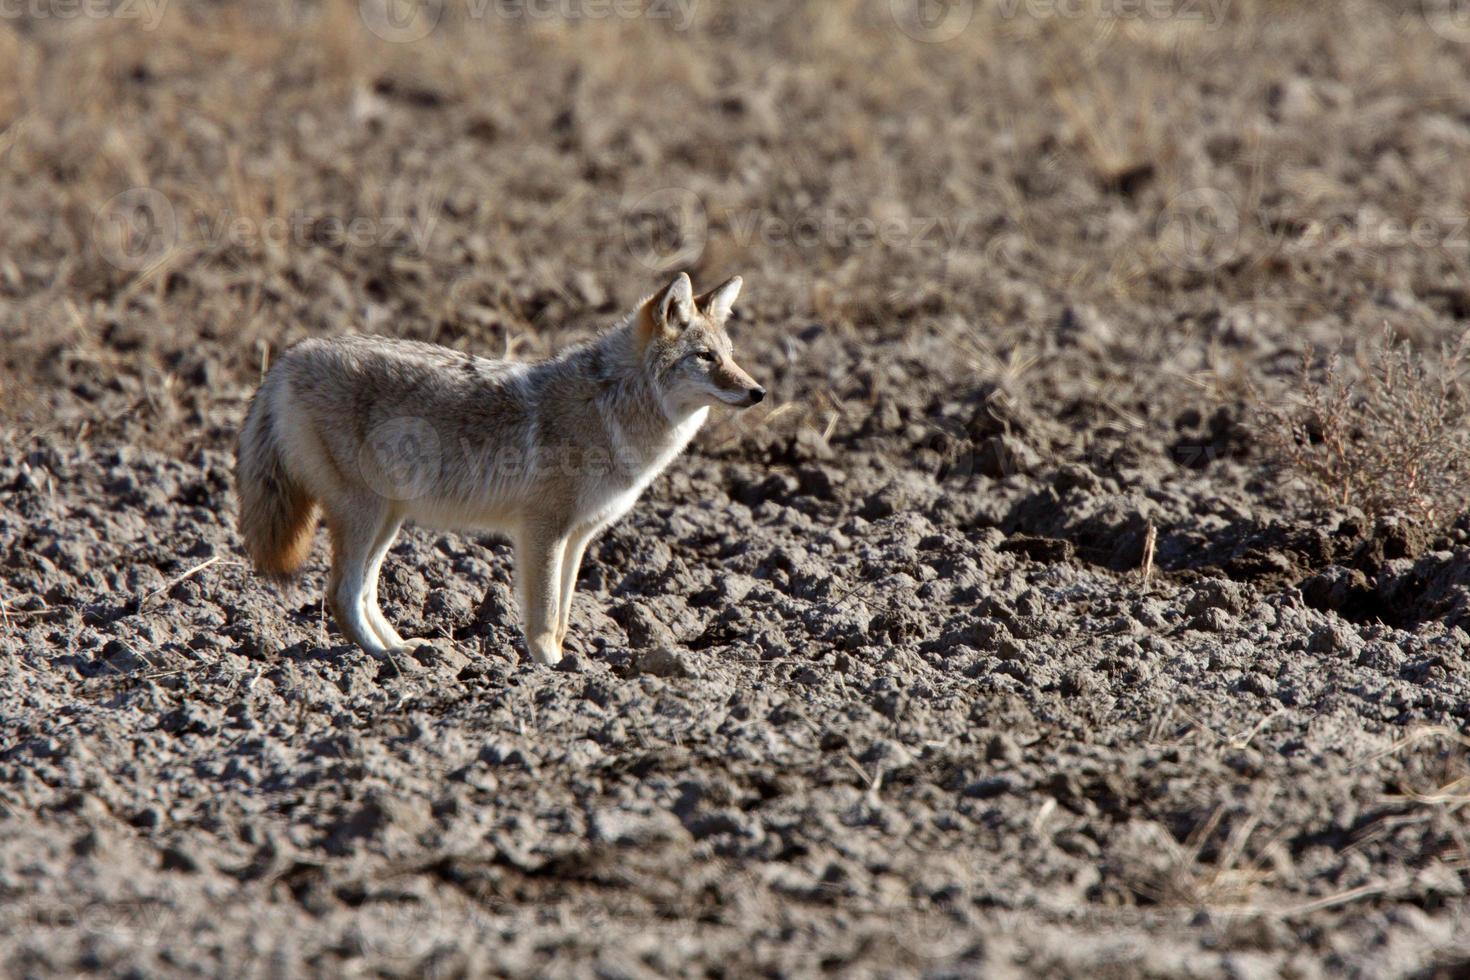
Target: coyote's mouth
<point>743,398</point>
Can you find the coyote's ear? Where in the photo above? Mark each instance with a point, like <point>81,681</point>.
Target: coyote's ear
<point>670,310</point>
<point>676,308</point>
<point>718,302</point>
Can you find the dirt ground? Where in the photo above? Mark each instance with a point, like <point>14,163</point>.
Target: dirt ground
<point>872,681</point>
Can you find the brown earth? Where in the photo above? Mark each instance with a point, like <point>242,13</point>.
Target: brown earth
<point>871,681</point>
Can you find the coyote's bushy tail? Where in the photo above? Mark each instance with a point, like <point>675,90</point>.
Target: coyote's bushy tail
<point>277,516</point>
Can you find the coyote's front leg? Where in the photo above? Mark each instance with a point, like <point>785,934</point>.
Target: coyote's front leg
<point>571,563</point>
<point>539,548</point>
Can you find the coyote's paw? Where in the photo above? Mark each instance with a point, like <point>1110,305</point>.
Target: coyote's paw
<point>544,650</point>
<point>433,655</point>
<point>407,647</point>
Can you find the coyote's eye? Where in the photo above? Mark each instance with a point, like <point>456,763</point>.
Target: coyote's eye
<point>708,356</point>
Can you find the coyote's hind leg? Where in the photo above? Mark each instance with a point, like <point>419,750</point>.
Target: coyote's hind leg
<point>355,533</point>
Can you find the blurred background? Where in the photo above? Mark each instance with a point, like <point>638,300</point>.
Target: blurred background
<point>1199,185</point>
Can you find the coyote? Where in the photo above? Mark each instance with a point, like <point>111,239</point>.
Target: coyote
<point>374,431</point>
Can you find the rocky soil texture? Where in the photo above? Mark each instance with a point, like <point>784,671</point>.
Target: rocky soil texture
<point>990,643</point>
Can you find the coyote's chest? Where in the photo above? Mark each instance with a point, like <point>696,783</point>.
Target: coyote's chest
<point>610,495</point>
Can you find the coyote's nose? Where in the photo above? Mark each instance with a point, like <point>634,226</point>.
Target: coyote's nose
<point>756,394</point>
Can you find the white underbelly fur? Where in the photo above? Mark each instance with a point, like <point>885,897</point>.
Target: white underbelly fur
<point>600,501</point>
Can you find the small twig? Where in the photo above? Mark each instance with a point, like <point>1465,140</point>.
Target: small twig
<point>1416,735</point>
<point>175,670</point>
<point>856,589</point>
<point>1244,739</point>
<point>1341,898</point>
<point>27,613</point>
<point>873,782</point>
<point>1150,542</point>
<point>179,578</point>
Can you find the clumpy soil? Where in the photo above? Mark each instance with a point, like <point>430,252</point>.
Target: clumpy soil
<point>875,680</point>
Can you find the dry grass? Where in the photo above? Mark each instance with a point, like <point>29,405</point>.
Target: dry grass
<point>1435,776</point>
<point>1184,879</point>
<point>1389,436</point>
<point>1449,779</point>
<point>1052,146</point>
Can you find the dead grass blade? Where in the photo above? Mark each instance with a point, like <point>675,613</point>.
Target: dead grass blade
<point>180,578</point>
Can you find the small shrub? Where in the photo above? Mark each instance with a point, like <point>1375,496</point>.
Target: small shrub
<point>1391,438</point>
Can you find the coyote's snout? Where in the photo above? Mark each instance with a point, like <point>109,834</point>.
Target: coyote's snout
<point>368,432</point>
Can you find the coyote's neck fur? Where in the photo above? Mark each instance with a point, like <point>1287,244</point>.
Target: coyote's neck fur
<point>637,415</point>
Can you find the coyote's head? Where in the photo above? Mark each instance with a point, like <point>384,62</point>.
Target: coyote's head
<point>688,351</point>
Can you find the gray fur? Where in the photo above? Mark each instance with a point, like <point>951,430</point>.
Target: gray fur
<point>378,431</point>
